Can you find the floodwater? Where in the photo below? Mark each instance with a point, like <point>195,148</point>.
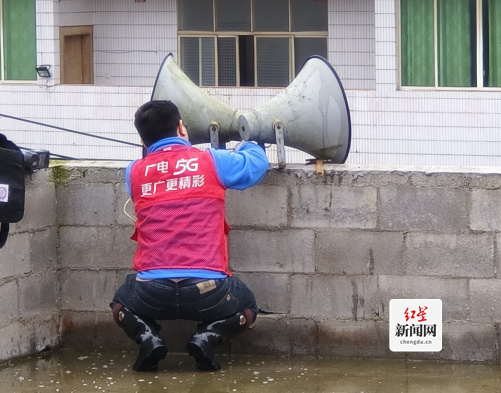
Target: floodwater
<point>79,372</point>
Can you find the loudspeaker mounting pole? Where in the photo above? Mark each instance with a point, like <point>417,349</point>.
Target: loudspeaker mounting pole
<point>214,134</point>
<point>279,136</point>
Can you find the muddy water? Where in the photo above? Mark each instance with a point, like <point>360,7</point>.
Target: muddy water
<point>79,372</point>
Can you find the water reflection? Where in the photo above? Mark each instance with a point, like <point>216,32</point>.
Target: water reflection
<point>77,372</point>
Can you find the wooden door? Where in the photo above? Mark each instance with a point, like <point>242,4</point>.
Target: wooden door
<point>77,66</point>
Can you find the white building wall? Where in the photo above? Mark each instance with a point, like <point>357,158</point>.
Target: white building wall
<point>422,127</point>
<point>105,111</point>
<point>351,42</point>
<point>131,40</point>
<point>389,126</point>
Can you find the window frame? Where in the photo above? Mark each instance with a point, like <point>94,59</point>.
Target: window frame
<point>479,53</point>
<point>291,35</point>
<point>2,54</point>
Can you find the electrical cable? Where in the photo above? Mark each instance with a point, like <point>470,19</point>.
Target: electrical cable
<point>125,211</point>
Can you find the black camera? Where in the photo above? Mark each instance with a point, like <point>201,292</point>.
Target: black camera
<point>14,163</point>
<point>35,159</point>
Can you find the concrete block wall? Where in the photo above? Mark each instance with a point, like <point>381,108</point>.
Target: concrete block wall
<point>324,255</point>
<point>29,281</point>
<point>96,254</point>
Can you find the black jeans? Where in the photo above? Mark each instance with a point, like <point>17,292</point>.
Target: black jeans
<point>205,301</point>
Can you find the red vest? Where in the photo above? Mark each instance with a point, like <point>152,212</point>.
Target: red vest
<point>179,204</point>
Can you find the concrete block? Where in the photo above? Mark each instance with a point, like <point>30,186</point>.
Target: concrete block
<point>105,333</point>
<point>88,330</point>
<point>370,339</point>
<point>87,290</point>
<point>40,176</point>
<point>38,293</point>
<point>46,331</point>
<point>122,274</point>
<point>359,252</point>
<point>339,297</point>
<point>10,337</point>
<point>462,341</point>
<point>9,306</point>
<point>436,178</point>
<point>484,299</point>
<point>124,203</point>
<point>85,204</point>
<point>269,289</point>
<point>90,172</point>
<point>95,247</point>
<point>426,209</point>
<point>78,331</point>
<point>292,173</point>
<point>26,342</point>
<point>304,336</point>
<point>497,254</point>
<point>65,174</point>
<point>273,335</point>
<point>452,291</point>
<point>177,333</point>
<point>359,176</point>
<point>271,251</point>
<point>354,339</point>
<point>15,257</point>
<point>257,206</point>
<point>108,172</point>
<point>39,207</point>
<point>485,214</point>
<point>449,255</point>
<point>37,333</point>
<point>43,250</point>
<point>26,252</point>
<point>325,206</point>
<point>268,336</point>
<point>488,181</point>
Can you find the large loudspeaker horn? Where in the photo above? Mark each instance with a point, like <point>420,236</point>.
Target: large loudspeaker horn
<point>311,115</point>
<point>208,120</point>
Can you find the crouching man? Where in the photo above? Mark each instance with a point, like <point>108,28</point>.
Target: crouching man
<point>181,261</point>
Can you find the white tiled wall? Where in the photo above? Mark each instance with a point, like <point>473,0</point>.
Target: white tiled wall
<point>130,44</point>
<point>389,126</point>
<point>351,42</point>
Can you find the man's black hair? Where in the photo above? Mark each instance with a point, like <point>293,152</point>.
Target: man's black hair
<point>157,120</point>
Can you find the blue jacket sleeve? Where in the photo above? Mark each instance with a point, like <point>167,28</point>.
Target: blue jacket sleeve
<point>241,168</point>
<point>127,177</point>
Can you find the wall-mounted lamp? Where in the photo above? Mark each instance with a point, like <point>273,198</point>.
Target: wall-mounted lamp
<point>43,71</point>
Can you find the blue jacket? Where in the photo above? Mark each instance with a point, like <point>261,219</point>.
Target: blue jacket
<point>237,169</point>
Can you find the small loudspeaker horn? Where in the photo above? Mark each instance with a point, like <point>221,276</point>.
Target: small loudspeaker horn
<point>207,119</point>
<point>311,115</point>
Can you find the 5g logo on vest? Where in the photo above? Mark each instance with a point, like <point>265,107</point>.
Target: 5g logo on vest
<point>186,165</point>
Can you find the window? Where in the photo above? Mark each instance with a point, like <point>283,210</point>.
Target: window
<point>18,40</point>
<point>249,42</point>
<point>451,43</point>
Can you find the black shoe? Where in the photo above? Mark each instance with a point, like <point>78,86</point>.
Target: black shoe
<point>201,347</point>
<point>152,347</point>
<point>203,342</point>
<point>151,351</point>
